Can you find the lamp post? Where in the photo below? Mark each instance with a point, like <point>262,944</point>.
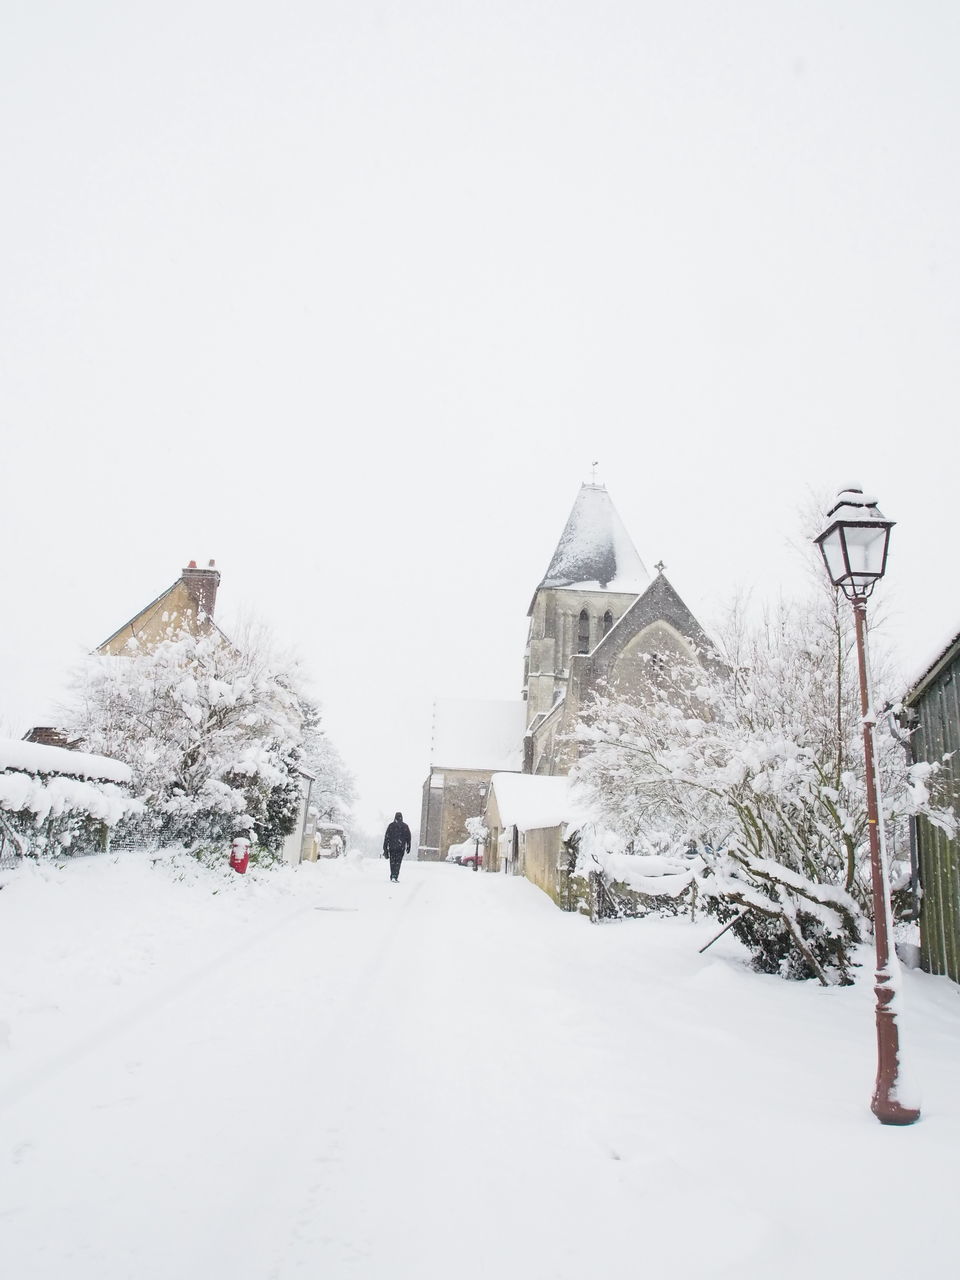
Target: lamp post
<point>854,548</point>
<point>476,852</point>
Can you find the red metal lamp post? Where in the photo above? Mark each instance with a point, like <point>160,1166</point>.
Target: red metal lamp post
<point>854,548</point>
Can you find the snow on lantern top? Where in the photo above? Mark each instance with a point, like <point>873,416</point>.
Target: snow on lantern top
<point>854,543</point>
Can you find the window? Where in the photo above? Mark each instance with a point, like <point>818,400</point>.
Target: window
<point>607,621</point>
<point>583,632</point>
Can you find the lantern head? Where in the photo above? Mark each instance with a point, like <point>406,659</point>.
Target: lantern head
<point>854,543</point>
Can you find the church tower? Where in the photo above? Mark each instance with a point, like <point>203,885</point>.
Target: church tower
<point>597,623</point>
<point>595,575</point>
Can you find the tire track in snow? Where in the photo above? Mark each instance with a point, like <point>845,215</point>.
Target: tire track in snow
<point>117,1026</point>
<point>349,1028</point>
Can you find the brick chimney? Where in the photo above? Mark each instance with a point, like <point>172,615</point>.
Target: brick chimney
<point>202,585</point>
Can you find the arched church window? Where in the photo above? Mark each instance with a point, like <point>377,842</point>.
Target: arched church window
<point>607,621</point>
<point>583,632</point>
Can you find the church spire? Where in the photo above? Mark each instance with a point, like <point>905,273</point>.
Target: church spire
<point>595,551</point>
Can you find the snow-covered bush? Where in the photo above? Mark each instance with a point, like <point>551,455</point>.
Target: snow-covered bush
<point>334,788</point>
<point>214,732</point>
<point>55,801</point>
<point>760,765</point>
<point>476,830</point>
<point>612,878</point>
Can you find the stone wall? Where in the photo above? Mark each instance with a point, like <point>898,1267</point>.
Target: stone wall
<point>450,797</point>
<point>539,853</point>
<point>431,815</point>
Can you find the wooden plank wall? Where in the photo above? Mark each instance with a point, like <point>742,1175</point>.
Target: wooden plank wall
<point>939,732</point>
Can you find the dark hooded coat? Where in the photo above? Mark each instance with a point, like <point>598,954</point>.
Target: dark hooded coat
<point>396,838</point>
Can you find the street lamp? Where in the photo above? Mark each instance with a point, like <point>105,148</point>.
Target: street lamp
<point>476,852</point>
<point>854,548</point>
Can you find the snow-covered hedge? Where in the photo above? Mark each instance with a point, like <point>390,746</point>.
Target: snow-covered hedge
<point>608,879</point>
<point>52,799</point>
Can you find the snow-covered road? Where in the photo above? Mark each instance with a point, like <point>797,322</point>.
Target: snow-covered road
<point>321,1074</point>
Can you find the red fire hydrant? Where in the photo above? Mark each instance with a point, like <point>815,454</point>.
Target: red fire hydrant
<point>240,854</point>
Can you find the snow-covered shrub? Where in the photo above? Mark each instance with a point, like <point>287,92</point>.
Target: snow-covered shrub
<point>759,764</point>
<point>214,732</point>
<point>476,830</point>
<point>616,879</point>
<point>53,800</point>
<point>793,926</point>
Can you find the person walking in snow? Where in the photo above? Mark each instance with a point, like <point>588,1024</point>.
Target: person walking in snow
<point>396,842</point>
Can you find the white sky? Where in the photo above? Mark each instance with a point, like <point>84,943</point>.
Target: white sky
<point>350,295</point>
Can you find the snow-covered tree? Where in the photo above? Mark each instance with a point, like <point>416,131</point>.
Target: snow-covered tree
<point>476,830</point>
<point>761,766</point>
<point>214,731</point>
<point>334,791</point>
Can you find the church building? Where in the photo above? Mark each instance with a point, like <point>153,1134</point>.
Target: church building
<point>598,620</point>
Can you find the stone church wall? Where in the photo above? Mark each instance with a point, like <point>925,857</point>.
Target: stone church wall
<point>447,807</point>
<point>554,626</point>
<point>431,814</point>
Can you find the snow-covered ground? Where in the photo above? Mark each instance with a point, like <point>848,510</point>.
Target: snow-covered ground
<point>316,1073</point>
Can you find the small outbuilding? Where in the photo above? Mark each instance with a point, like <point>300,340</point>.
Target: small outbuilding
<point>525,815</point>
<point>297,844</point>
<point>933,713</point>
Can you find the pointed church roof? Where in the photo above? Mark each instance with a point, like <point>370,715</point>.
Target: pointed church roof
<point>661,603</point>
<point>595,551</point>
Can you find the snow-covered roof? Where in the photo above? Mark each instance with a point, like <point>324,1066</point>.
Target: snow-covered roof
<point>930,666</point>
<point>595,551</point>
<point>528,801</point>
<point>34,757</point>
<point>473,734</point>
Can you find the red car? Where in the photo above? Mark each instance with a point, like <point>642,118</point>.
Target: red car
<point>467,854</point>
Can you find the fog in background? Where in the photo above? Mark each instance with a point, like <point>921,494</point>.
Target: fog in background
<point>350,296</point>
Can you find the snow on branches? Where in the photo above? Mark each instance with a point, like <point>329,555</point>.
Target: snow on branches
<point>760,764</point>
<point>214,732</point>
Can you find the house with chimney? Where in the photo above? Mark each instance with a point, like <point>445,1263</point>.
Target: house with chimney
<point>189,603</point>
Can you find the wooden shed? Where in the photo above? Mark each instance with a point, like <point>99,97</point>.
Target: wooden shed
<point>933,711</point>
